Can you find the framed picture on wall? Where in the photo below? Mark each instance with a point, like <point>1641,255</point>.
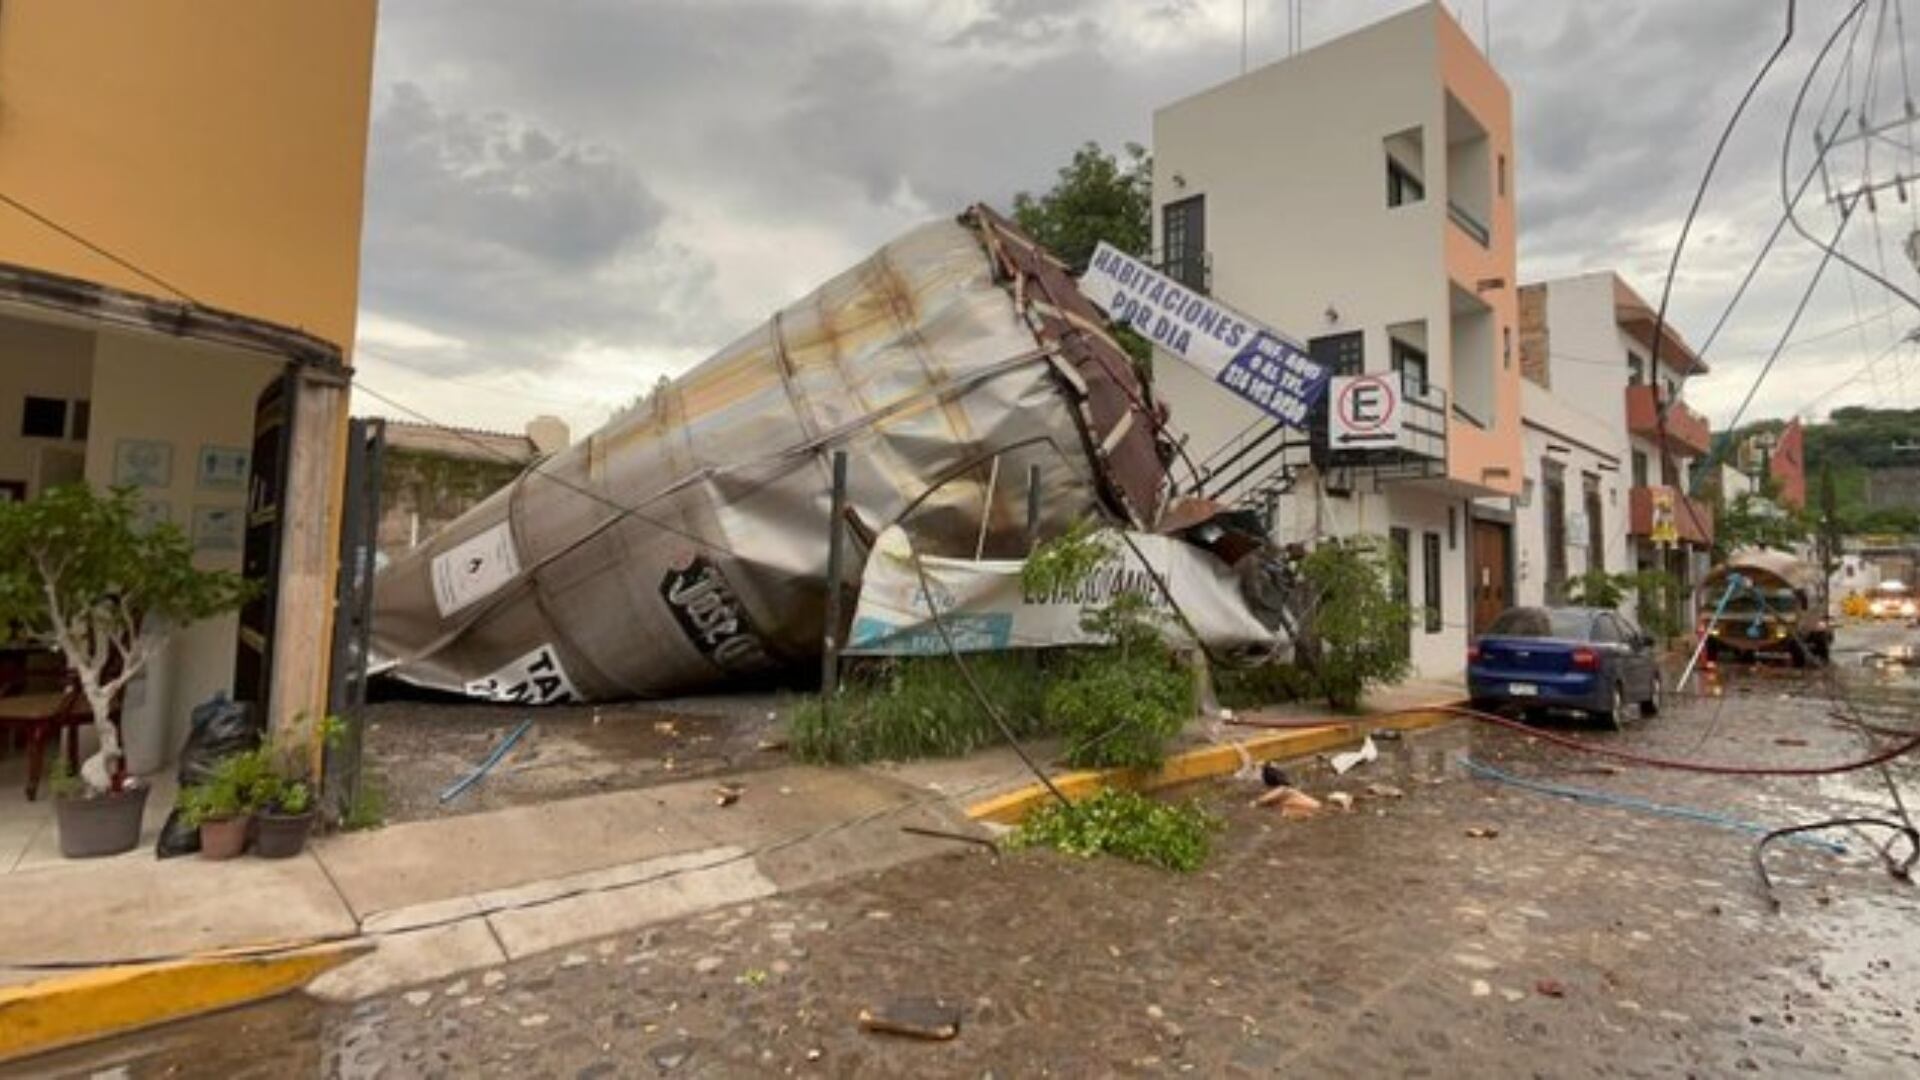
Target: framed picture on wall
<point>217,528</point>
<point>222,468</point>
<point>151,512</point>
<point>142,463</point>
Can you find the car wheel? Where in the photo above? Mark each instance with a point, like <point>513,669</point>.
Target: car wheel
<point>1616,717</point>
<point>1651,706</point>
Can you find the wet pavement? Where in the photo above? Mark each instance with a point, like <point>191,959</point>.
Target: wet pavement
<point>1464,926</point>
<point>419,748</point>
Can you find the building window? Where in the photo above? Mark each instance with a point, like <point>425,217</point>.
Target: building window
<point>1402,569</point>
<point>1636,370</point>
<point>1553,507</point>
<point>1639,468</point>
<point>1405,155</point>
<point>1183,234</point>
<point>81,421</point>
<point>1430,570</point>
<point>44,418</point>
<point>1596,528</point>
<point>1340,354</point>
<point>1411,363</point>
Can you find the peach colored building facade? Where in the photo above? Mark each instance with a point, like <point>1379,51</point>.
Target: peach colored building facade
<point>1359,197</point>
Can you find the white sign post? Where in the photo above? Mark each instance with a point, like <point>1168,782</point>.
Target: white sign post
<point>1251,361</point>
<point>1366,412</point>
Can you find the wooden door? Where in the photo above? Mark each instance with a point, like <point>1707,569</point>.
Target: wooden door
<point>1490,554</point>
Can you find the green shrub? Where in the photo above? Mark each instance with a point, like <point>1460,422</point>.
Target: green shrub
<point>1119,708</point>
<point>1123,824</point>
<point>368,809</point>
<point>1263,684</point>
<point>1356,632</point>
<point>1599,589</point>
<point>916,707</point>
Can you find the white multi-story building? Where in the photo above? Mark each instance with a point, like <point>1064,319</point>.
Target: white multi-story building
<point>1601,470</point>
<point>1359,197</point>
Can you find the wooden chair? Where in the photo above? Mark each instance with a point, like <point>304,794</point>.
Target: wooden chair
<point>45,716</point>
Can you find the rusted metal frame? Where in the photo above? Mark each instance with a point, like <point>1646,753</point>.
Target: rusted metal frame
<point>122,308</point>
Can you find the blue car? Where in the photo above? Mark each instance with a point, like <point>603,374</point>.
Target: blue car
<point>1588,659</point>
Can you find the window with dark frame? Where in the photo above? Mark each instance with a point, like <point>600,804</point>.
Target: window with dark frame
<point>1403,188</point>
<point>1402,541</point>
<point>1430,568</point>
<point>1411,363</point>
<point>1639,468</point>
<point>43,418</point>
<point>81,421</point>
<point>1553,506</point>
<point>1183,235</point>
<point>1596,530</point>
<point>1340,354</point>
<point>1636,370</point>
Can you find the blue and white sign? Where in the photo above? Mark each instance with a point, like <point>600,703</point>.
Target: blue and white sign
<point>1251,361</point>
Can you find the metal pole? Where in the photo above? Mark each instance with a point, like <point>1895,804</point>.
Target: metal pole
<point>986,508</point>
<point>1734,581</point>
<point>1033,507</point>
<point>836,560</point>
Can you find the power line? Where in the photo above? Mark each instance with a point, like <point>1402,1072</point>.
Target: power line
<point>125,264</point>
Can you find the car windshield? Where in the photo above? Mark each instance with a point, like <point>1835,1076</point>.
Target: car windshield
<point>1572,623</point>
<point>1763,601</point>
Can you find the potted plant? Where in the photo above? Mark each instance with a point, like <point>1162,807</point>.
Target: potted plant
<point>222,807</point>
<point>284,819</point>
<point>285,795</point>
<point>79,572</point>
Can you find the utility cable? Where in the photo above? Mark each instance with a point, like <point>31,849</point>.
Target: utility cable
<point>123,263</point>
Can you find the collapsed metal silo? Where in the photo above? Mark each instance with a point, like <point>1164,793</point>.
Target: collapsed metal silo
<point>683,546</point>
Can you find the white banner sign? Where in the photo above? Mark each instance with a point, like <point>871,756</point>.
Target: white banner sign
<point>1366,414</point>
<point>985,608</point>
<point>1248,359</point>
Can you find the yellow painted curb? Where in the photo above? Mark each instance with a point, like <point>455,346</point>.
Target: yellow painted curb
<point>69,1009</point>
<point>1202,763</point>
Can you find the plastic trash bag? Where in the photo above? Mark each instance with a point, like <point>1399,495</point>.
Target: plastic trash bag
<point>221,728</point>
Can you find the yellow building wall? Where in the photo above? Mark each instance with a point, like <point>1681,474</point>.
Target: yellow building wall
<point>217,144</point>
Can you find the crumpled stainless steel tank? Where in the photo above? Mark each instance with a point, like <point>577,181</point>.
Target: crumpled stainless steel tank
<point>683,547</point>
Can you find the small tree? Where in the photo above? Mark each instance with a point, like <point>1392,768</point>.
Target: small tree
<point>1097,197</point>
<point>77,571</point>
<point>1599,589</point>
<point>1354,632</point>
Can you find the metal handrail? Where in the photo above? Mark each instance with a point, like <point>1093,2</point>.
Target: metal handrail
<point>1474,226</point>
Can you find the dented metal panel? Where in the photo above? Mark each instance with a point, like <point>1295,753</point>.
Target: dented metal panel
<point>683,546</point>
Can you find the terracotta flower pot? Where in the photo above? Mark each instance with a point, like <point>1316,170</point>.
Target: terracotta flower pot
<point>223,838</point>
<point>281,836</point>
<point>102,825</point>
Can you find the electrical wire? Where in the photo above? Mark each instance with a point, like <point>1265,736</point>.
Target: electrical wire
<point>123,263</point>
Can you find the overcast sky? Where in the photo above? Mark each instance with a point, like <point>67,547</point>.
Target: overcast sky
<point>569,199</point>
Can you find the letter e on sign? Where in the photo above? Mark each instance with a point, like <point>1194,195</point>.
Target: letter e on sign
<point>1365,414</point>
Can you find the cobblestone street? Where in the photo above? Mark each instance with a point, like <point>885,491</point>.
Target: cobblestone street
<point>1466,927</point>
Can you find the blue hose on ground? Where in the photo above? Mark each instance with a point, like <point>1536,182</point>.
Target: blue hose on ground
<point>486,766</point>
<point>1629,802</point>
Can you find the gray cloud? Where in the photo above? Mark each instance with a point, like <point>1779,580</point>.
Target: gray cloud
<point>651,177</point>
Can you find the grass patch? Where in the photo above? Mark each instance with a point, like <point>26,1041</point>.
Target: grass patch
<point>917,707</point>
<point>1124,824</point>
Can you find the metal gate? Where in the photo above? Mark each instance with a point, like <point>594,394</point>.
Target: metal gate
<point>353,613</point>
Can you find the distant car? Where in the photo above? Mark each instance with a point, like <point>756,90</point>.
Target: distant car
<point>1891,600</point>
<point>1588,659</point>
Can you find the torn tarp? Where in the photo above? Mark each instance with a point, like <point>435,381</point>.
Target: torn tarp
<point>684,545</point>
<point>984,606</point>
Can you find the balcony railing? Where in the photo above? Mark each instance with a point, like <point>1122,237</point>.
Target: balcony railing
<point>1473,226</point>
<point>1692,518</point>
<point>1687,432</point>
